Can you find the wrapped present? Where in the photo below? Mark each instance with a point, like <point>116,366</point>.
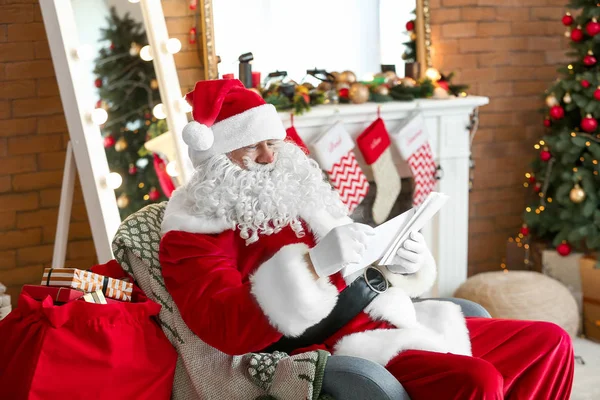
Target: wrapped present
<point>95,297</point>
<point>590,282</point>
<point>57,294</point>
<point>88,282</point>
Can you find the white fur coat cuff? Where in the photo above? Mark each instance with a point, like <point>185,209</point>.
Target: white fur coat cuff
<point>414,285</point>
<point>288,293</point>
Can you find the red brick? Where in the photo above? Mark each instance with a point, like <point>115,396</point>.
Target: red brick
<point>8,220</point>
<point>556,57</point>
<point>81,249</point>
<point>459,29</point>
<point>528,58</point>
<point>3,147</point>
<point>512,14</point>
<point>481,225</point>
<point>15,13</point>
<point>29,69</point>
<point>457,3</point>
<point>52,124</point>
<point>495,89</point>
<point>478,14</point>
<point>34,144</point>
<point>5,185</point>
<point>41,217</point>
<point>26,32</point>
<point>187,59</point>
<point>473,75</point>
<point>51,161</point>
<point>515,103</point>
<point>494,59</point>
<point>79,212</point>
<point>18,202</point>
<point>17,89</point>
<point>545,43</point>
<point>37,180</point>
<point>20,238</point>
<point>37,106</point>
<point>547,13</point>
<point>18,164</point>
<point>454,61</point>
<point>449,15</point>
<point>42,50</point>
<point>180,25</point>
<point>77,231</point>
<point>35,255</point>
<point>533,87</point>
<point>17,126</point>
<point>37,13</point>
<point>16,51</point>
<point>8,259</point>
<point>2,33</point>
<point>47,87</point>
<point>25,275</point>
<point>82,263</point>
<point>493,29</point>
<point>487,246</point>
<point>4,109</point>
<point>49,197</point>
<point>175,9</point>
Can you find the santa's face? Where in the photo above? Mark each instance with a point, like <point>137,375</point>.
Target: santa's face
<point>262,198</point>
<point>260,153</point>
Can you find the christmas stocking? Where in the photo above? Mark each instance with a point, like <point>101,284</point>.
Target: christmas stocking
<point>292,136</point>
<point>374,144</point>
<point>413,143</point>
<point>333,150</point>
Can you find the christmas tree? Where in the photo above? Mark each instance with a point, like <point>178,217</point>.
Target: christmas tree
<point>565,185</point>
<point>129,93</point>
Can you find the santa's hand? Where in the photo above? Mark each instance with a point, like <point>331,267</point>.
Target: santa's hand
<point>343,245</point>
<point>411,256</point>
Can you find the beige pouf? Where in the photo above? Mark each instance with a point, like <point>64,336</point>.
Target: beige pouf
<point>523,295</point>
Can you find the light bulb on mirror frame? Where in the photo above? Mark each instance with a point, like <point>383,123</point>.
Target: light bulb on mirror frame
<point>146,53</point>
<point>172,169</point>
<point>99,116</point>
<point>113,180</point>
<point>433,74</point>
<point>159,111</point>
<point>173,45</point>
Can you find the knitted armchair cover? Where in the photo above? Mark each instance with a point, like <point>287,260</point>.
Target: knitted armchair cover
<point>202,371</point>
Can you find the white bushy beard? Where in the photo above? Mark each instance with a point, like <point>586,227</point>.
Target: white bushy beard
<point>262,199</point>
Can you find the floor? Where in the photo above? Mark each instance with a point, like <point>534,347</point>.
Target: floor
<point>587,376</point>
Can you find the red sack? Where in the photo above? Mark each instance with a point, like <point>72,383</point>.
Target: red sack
<point>83,350</point>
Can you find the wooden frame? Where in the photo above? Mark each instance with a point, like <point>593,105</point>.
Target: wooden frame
<point>85,152</point>
<point>206,42</point>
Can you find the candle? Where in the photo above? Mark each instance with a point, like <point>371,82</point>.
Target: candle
<point>255,79</point>
<point>228,76</point>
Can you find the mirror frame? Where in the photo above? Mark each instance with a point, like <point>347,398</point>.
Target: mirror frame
<point>208,55</point>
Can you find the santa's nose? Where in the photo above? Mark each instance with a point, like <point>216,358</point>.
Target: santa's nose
<point>265,154</point>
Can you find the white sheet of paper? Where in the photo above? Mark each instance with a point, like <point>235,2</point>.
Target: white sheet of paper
<point>390,235</point>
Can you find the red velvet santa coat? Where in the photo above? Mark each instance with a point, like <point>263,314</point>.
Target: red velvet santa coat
<point>241,298</point>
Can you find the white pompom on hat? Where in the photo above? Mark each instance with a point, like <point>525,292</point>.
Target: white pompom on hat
<point>227,116</point>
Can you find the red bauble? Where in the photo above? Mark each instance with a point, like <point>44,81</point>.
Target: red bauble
<point>109,141</point>
<point>98,83</point>
<point>537,187</point>
<point>410,26</point>
<point>531,179</point>
<point>547,122</point>
<point>112,46</point>
<point>564,249</point>
<point>132,169</point>
<point>545,155</point>
<point>525,230</point>
<point>344,92</point>
<point>99,104</point>
<point>557,112</point>
<point>577,35</point>
<point>567,20</point>
<point>597,93</point>
<point>585,84</point>
<point>589,60</point>
<point>192,36</point>
<point>592,28</point>
<point>589,124</point>
<point>147,115</point>
<point>154,194</point>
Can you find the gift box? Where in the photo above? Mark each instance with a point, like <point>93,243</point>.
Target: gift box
<point>88,282</point>
<point>590,284</point>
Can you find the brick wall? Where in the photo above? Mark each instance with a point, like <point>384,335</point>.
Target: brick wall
<point>33,138</point>
<point>506,50</point>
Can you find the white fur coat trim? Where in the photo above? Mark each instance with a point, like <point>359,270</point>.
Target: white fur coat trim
<point>431,325</point>
<point>414,285</point>
<point>288,293</point>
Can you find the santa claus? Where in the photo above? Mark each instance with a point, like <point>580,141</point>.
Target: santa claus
<point>252,253</point>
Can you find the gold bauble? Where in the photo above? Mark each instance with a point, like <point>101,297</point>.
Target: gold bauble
<point>121,144</point>
<point>551,101</point>
<point>413,36</point>
<point>122,201</point>
<point>358,93</point>
<point>308,85</point>
<point>408,82</point>
<point>567,98</point>
<point>348,77</point>
<point>382,90</point>
<point>342,85</point>
<point>390,77</point>
<point>577,194</point>
<point>154,84</point>
<point>134,50</point>
<point>336,76</point>
<point>324,86</point>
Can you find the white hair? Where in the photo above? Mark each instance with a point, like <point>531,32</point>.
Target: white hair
<point>262,199</point>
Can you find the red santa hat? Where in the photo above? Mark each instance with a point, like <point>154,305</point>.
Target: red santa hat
<point>227,116</point>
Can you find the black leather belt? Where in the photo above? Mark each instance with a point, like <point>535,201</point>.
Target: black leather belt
<point>351,301</point>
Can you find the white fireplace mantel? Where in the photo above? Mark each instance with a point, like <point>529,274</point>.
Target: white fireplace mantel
<point>447,122</point>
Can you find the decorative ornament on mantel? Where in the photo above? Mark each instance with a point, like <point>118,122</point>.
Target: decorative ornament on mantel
<point>577,194</point>
<point>589,124</point>
<point>358,93</point>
